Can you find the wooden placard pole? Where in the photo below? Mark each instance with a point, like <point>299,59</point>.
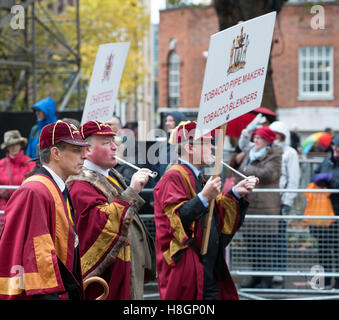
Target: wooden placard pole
<point>216,171</point>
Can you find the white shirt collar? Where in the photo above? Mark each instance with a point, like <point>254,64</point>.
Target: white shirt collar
<point>60,183</point>
<point>92,166</point>
<point>190,165</point>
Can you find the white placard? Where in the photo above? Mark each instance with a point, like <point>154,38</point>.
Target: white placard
<point>105,80</point>
<point>235,72</point>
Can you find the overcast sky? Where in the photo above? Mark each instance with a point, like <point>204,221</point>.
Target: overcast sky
<point>157,5</point>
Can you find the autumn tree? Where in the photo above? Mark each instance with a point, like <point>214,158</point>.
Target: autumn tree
<point>55,56</point>
<point>106,21</point>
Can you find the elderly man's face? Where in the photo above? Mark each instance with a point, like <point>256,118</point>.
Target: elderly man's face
<point>102,151</point>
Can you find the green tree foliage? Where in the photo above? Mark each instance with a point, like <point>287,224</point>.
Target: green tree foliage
<point>101,21</point>
<point>106,21</point>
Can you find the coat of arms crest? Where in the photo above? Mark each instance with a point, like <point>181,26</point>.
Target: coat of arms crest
<point>238,52</point>
<point>108,68</point>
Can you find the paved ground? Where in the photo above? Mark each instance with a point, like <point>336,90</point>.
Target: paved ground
<point>291,288</point>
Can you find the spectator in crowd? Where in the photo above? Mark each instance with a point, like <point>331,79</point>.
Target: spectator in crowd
<point>244,141</point>
<point>329,130</point>
<point>168,154</point>
<point>290,171</point>
<point>181,204</point>
<point>14,166</point>
<point>73,121</point>
<point>133,127</point>
<point>262,159</point>
<point>172,120</point>
<point>45,114</point>
<point>115,124</point>
<point>39,257</point>
<point>121,137</point>
<point>114,243</point>
<point>327,175</point>
<point>125,170</point>
<point>295,139</point>
<point>290,177</point>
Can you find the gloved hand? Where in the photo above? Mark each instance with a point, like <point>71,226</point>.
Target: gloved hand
<point>322,179</point>
<point>285,210</point>
<point>256,122</point>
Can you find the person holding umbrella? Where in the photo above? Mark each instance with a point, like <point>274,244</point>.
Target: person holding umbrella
<point>317,142</point>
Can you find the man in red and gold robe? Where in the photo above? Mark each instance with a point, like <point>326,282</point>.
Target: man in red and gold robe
<point>38,245</point>
<point>104,211</point>
<point>181,204</point>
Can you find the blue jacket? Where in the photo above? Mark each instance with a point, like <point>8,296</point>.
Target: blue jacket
<point>47,106</point>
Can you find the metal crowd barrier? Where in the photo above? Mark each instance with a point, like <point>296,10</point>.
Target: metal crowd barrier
<point>299,249</point>
<point>303,254</point>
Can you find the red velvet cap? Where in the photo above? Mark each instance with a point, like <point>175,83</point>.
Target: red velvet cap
<point>187,130</point>
<point>266,133</point>
<point>60,131</point>
<point>95,128</point>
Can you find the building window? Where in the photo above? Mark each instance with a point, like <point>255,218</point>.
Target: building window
<point>316,73</point>
<point>303,1</point>
<point>173,80</point>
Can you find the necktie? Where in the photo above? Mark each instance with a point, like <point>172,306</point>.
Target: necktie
<point>115,181</point>
<point>111,178</point>
<point>70,216</point>
<point>76,238</point>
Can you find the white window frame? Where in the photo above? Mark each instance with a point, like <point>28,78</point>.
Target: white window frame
<point>307,63</point>
<point>305,1</point>
<point>173,79</point>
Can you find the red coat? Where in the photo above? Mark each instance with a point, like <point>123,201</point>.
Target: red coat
<point>180,272</point>
<point>101,215</point>
<point>37,232</point>
<point>18,167</point>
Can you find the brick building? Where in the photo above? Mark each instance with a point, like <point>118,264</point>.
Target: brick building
<point>304,61</point>
<point>183,40</point>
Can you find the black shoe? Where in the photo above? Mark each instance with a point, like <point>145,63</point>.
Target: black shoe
<point>251,282</point>
<point>266,283</point>
<point>328,283</point>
